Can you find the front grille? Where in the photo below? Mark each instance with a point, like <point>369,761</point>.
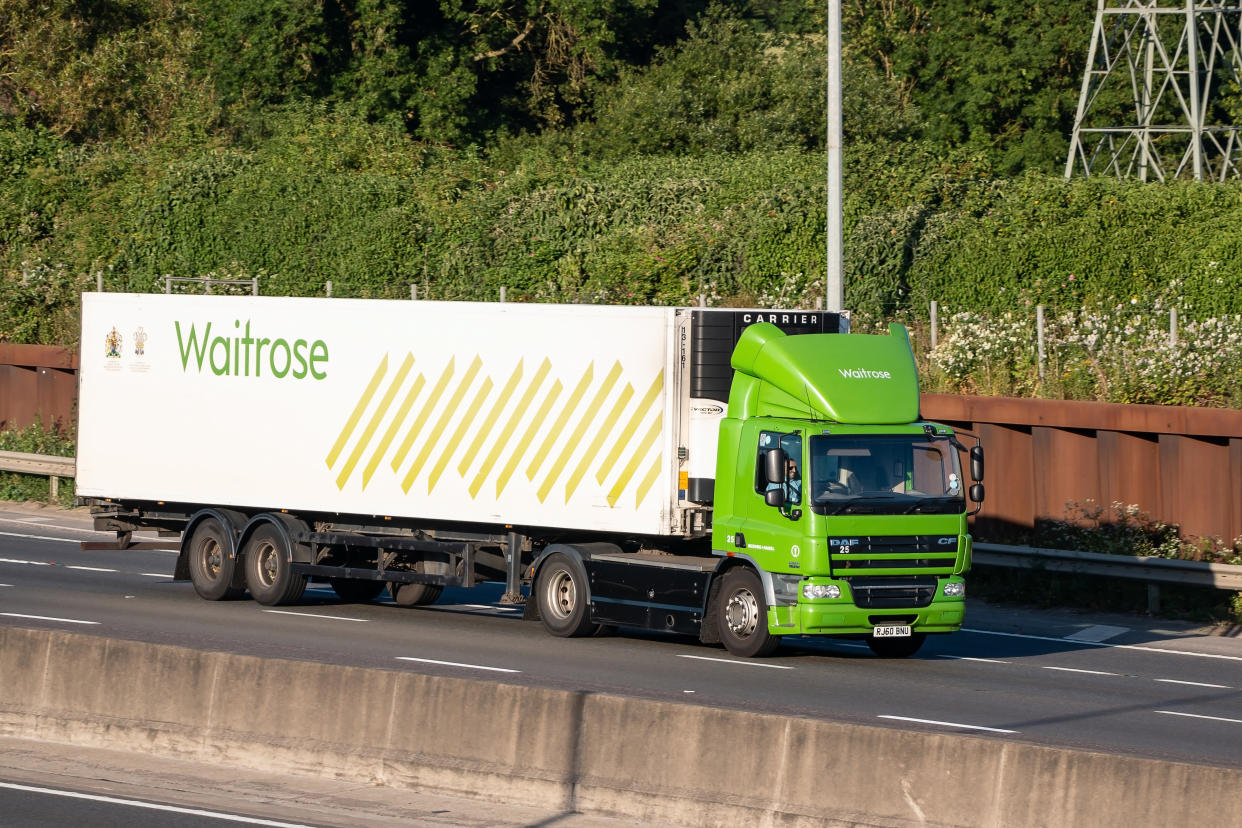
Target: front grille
<point>893,593</point>
<point>923,553</point>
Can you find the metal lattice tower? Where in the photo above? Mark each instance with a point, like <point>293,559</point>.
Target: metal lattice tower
<point>1154,96</point>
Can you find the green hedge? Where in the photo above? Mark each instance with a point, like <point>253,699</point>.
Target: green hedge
<point>327,197</point>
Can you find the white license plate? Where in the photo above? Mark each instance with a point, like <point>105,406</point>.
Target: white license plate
<point>893,631</point>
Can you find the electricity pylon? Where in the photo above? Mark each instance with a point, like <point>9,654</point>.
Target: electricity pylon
<point>1160,93</point>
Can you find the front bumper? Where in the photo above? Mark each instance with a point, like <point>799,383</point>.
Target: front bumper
<point>840,616</point>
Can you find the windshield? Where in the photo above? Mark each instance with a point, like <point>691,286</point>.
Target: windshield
<point>900,473</point>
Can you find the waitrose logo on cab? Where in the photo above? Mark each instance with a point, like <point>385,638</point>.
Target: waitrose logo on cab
<point>247,354</point>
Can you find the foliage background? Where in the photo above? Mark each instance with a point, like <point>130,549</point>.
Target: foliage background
<point>631,151</point>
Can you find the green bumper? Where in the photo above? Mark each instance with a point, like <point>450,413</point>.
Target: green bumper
<point>840,616</point>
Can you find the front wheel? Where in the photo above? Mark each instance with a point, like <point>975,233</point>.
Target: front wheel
<point>564,598</point>
<point>744,616</point>
<point>269,568</point>
<point>896,647</point>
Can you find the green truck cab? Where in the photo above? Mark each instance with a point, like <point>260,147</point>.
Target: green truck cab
<point>849,509</point>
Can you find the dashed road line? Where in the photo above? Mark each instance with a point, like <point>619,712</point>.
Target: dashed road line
<point>740,663</point>
<point>48,618</point>
<point>1200,716</point>
<point>316,615</point>
<point>975,658</point>
<point>458,664</point>
<point>1196,684</point>
<point>948,724</point>
<point>1076,670</point>
<point>90,568</point>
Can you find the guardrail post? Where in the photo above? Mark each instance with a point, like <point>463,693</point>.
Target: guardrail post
<point>1153,599</point>
<point>53,485</point>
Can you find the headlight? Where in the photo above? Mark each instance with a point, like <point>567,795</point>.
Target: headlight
<point>821,591</point>
<point>954,589</point>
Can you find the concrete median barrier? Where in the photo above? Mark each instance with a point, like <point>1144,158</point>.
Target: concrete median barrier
<point>656,761</point>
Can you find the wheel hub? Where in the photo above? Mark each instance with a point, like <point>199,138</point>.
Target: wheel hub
<point>741,613</point>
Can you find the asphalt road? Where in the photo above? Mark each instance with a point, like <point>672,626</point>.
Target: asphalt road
<point>1123,685</point>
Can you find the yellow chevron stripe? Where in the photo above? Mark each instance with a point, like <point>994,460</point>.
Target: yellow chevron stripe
<point>631,428</point>
<point>450,410</point>
<point>523,444</point>
<point>554,433</point>
<point>455,440</point>
<point>628,472</point>
<point>373,423</point>
<point>489,423</point>
<point>605,431</point>
<point>402,413</point>
<point>352,422</point>
<point>585,422</point>
<point>653,474</point>
<point>420,421</point>
<point>501,438</point>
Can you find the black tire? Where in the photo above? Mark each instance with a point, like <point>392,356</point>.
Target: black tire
<point>268,561</point>
<point>564,598</point>
<point>353,591</point>
<point>896,647</point>
<point>414,595</point>
<point>212,567</point>
<point>743,614</point>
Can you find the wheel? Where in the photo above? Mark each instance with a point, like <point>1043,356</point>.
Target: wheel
<point>269,568</point>
<point>744,615</point>
<point>414,595</point>
<point>212,568</point>
<point>354,591</point>
<point>564,598</point>
<point>896,647</point>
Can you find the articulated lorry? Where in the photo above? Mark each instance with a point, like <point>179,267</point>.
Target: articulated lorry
<point>737,475</point>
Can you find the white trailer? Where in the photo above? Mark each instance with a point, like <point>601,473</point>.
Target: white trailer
<point>413,444</point>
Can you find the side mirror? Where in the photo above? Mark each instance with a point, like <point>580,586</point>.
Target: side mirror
<point>976,492</point>
<point>976,465</point>
<point>774,497</point>
<point>774,465</point>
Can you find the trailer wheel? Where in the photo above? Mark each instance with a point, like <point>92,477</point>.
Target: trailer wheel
<point>896,647</point>
<point>269,568</point>
<point>564,598</point>
<point>414,595</point>
<point>353,591</point>
<point>211,566</point>
<point>743,615</point>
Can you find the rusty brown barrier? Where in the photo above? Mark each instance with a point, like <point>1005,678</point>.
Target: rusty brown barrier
<point>1179,465</point>
<point>38,383</point>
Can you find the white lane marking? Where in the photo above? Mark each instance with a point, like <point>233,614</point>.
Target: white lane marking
<point>1074,670</point>
<point>948,724</point>
<point>27,563</point>
<point>315,615</point>
<point>133,803</point>
<point>47,618</point>
<point>741,663</point>
<point>6,585</point>
<point>492,607</point>
<point>1196,684</point>
<point>47,537</point>
<point>1097,633</point>
<point>90,568</point>
<point>458,664</point>
<point>1139,647</point>
<point>975,658</point>
<point>1198,716</point>
<point>154,574</point>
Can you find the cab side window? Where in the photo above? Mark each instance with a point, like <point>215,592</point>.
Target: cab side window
<point>791,445</point>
